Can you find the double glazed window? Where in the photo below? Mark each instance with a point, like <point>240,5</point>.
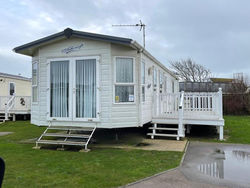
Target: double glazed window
<point>155,77</point>
<point>35,82</point>
<point>143,81</point>
<point>161,81</point>
<point>173,87</point>
<point>124,80</point>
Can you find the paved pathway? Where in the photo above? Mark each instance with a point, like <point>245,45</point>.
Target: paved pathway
<point>188,175</point>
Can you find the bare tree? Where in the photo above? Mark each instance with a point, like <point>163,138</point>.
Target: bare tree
<point>188,70</point>
<point>239,84</point>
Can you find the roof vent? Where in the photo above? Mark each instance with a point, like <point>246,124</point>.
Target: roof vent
<point>68,32</point>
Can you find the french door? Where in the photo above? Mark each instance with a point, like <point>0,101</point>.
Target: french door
<point>73,89</point>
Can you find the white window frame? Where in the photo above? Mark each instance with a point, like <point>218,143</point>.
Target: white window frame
<point>72,90</point>
<point>36,84</point>
<point>143,82</point>
<point>124,84</point>
<point>14,88</point>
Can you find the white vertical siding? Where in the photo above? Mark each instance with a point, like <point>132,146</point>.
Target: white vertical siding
<point>125,115</point>
<point>147,106</point>
<point>111,115</point>
<point>91,48</point>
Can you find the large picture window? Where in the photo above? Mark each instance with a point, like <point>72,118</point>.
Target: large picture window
<point>124,80</point>
<point>35,82</point>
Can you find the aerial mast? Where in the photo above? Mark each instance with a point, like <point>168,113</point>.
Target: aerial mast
<point>140,24</point>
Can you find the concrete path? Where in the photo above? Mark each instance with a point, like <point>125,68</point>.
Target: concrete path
<point>151,144</point>
<point>188,174</point>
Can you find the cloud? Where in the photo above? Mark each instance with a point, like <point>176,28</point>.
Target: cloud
<point>213,33</point>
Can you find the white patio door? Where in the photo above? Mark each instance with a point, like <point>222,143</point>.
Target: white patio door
<point>85,91</point>
<point>73,89</point>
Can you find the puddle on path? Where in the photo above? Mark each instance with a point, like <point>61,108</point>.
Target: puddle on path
<point>229,164</point>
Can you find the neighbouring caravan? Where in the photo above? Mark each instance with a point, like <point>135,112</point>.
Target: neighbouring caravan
<point>15,96</point>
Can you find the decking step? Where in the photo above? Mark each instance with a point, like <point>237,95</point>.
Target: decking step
<point>166,135</point>
<point>70,128</point>
<point>164,128</point>
<point>61,142</point>
<point>66,135</point>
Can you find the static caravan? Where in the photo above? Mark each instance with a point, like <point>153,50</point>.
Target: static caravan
<point>15,96</point>
<point>83,81</point>
<point>88,80</point>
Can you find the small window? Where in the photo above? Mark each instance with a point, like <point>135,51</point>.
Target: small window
<point>124,80</point>
<point>155,77</point>
<point>143,93</point>
<point>161,80</point>
<point>173,87</point>
<point>142,73</point>
<point>143,81</point>
<point>12,88</point>
<point>34,82</point>
<point>165,83</point>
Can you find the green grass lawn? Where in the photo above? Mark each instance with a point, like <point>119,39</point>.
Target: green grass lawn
<point>26,167</point>
<point>236,130</point>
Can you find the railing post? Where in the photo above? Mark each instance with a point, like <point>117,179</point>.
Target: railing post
<point>181,111</point>
<point>220,103</point>
<point>6,112</point>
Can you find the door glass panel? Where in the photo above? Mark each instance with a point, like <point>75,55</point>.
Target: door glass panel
<point>59,88</point>
<point>86,88</point>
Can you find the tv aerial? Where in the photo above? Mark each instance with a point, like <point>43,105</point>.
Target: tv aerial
<point>140,24</point>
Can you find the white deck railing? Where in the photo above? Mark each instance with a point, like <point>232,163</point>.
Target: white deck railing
<point>194,105</point>
<point>15,104</point>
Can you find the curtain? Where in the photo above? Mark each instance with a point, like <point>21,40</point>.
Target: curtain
<point>86,88</point>
<point>124,70</point>
<point>124,93</point>
<point>59,88</point>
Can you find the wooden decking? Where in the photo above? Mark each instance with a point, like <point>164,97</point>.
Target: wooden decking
<point>186,109</point>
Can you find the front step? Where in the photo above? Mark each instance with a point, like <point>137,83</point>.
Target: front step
<point>70,128</point>
<point>66,135</point>
<point>61,142</point>
<point>166,135</point>
<point>165,130</point>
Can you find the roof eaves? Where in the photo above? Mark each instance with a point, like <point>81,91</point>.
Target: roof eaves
<point>106,38</point>
<point>39,41</point>
<point>5,75</point>
<point>69,32</point>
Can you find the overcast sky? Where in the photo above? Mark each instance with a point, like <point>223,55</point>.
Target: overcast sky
<point>214,33</point>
